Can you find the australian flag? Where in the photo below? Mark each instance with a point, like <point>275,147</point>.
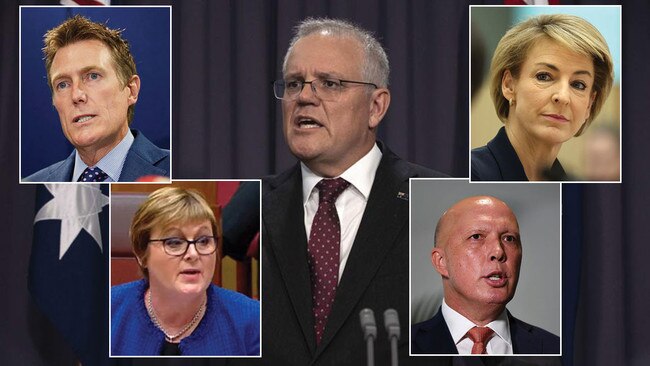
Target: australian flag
<point>68,270</point>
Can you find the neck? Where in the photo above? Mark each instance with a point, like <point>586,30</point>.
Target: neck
<point>535,157</point>
<point>331,169</point>
<point>480,315</point>
<point>174,313</point>
<point>91,155</point>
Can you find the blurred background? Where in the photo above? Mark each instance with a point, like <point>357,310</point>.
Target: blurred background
<point>225,124</point>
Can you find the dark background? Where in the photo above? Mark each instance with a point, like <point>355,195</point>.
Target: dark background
<point>226,124</point>
<point>148,32</point>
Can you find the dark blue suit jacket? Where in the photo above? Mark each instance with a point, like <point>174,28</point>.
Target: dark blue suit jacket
<point>143,158</point>
<point>433,337</point>
<point>498,161</point>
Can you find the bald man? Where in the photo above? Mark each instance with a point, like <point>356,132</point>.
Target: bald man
<point>477,252</point>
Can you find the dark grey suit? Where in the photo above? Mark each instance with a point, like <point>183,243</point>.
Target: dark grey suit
<point>376,274</point>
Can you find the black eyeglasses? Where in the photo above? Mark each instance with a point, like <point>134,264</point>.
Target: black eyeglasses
<point>204,245</point>
<point>325,89</point>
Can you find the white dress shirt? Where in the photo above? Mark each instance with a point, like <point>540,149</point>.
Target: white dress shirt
<point>350,205</point>
<point>499,344</point>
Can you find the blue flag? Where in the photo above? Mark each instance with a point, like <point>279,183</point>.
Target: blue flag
<point>68,270</point>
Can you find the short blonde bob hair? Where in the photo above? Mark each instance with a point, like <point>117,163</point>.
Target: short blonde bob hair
<point>164,207</point>
<point>570,31</point>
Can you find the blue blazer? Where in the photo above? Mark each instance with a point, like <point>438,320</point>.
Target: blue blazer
<point>433,337</point>
<point>230,326</point>
<point>498,161</point>
<point>143,158</point>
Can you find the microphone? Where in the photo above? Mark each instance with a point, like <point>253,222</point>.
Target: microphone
<point>391,322</point>
<point>369,327</point>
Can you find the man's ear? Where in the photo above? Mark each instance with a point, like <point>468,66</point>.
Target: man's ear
<point>379,102</point>
<point>508,85</point>
<point>134,89</point>
<point>439,261</point>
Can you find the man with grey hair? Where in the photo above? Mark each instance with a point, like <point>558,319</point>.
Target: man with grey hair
<point>335,226</point>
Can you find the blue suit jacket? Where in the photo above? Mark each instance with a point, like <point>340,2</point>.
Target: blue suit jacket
<point>433,337</point>
<point>143,158</point>
<point>498,161</point>
<point>230,325</point>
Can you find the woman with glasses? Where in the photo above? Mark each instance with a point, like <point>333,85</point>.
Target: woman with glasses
<point>175,309</point>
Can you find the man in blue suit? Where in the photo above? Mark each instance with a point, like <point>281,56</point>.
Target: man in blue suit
<point>94,84</point>
<point>478,254</point>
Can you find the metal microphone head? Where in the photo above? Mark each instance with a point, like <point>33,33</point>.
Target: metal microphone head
<point>391,321</point>
<point>368,325</point>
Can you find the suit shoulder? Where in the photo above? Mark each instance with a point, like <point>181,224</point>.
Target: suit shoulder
<point>483,164</point>
<point>44,174</point>
<point>549,342</point>
<point>420,171</point>
<point>271,182</point>
<point>126,294</point>
<point>144,158</point>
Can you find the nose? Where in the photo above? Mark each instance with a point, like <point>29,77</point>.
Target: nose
<point>561,95</point>
<point>496,252</point>
<point>191,253</point>
<point>78,94</point>
<point>308,94</point>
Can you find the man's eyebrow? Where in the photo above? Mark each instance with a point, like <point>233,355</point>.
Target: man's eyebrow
<point>555,68</point>
<point>318,74</point>
<point>82,71</point>
<point>328,75</point>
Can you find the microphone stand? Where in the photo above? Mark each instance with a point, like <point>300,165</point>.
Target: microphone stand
<point>391,322</point>
<point>369,327</point>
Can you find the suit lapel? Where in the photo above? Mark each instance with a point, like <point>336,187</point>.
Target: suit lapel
<point>385,215</point>
<point>284,220</point>
<point>433,336</point>
<point>522,342</point>
<point>63,172</point>
<point>141,158</point>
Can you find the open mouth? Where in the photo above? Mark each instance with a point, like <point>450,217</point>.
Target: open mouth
<point>307,123</point>
<point>496,279</point>
<point>82,119</point>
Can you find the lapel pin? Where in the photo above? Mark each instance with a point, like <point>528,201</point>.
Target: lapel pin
<point>403,196</point>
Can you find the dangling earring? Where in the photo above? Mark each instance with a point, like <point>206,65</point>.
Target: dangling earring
<point>512,102</point>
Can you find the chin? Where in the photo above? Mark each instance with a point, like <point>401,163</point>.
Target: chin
<point>304,152</point>
<point>192,289</point>
<point>554,135</point>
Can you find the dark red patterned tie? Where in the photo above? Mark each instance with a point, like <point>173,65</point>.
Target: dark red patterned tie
<point>480,336</point>
<point>323,250</point>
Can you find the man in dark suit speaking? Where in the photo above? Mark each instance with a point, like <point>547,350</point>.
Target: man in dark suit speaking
<point>94,84</point>
<point>478,254</point>
<point>335,226</point>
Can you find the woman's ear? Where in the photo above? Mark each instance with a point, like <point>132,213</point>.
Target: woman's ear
<point>508,86</point>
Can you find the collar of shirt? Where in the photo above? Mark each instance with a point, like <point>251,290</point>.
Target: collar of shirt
<point>459,325</point>
<point>111,164</point>
<point>361,175</point>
